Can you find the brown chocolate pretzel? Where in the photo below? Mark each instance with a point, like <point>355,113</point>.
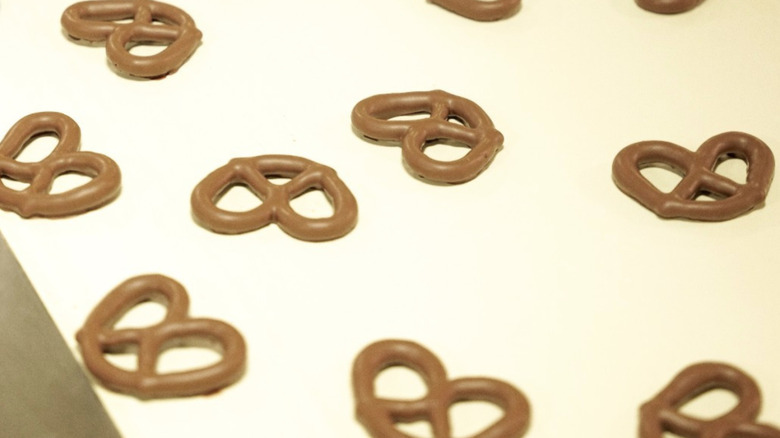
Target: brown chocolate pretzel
<point>661,414</point>
<point>99,337</point>
<point>379,416</point>
<point>253,173</point>
<point>668,6</point>
<point>152,22</point>
<point>699,177</point>
<point>36,199</point>
<point>372,116</point>
<point>481,10</point>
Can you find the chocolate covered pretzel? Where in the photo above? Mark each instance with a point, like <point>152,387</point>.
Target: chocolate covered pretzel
<point>662,413</point>
<point>372,118</point>
<point>379,416</point>
<point>481,10</point>
<point>151,22</point>
<point>36,199</point>
<point>699,177</point>
<point>98,337</point>
<point>668,6</point>
<point>253,173</point>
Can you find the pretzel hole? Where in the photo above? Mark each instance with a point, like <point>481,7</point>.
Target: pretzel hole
<point>238,198</point>
<point>732,166</point>
<point>37,148</point>
<point>399,382</point>
<point>710,404</point>
<point>123,356</point>
<point>313,204</point>
<point>146,48</point>
<point>663,176</point>
<point>188,353</point>
<point>705,196</point>
<point>411,116</point>
<point>68,181</point>
<point>417,429</point>
<point>144,314</point>
<point>445,149</point>
<point>457,120</point>
<point>472,417</point>
<point>277,179</point>
<point>13,184</point>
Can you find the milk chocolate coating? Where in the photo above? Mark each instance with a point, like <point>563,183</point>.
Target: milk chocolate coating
<point>36,199</point>
<point>379,416</point>
<point>668,6</point>
<point>98,21</point>
<point>699,176</point>
<point>481,10</point>
<point>253,172</point>
<point>99,337</point>
<point>661,414</point>
<point>371,117</point>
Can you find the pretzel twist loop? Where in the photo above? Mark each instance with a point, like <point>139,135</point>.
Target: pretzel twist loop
<point>253,172</point>
<point>99,337</point>
<point>151,22</point>
<point>699,177</point>
<point>379,415</point>
<point>661,414</point>
<point>372,116</point>
<point>36,199</point>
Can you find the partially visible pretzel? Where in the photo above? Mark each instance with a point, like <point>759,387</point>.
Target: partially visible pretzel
<point>372,116</point>
<point>379,415</point>
<point>661,414</point>
<point>152,22</point>
<point>481,10</point>
<point>253,172</point>
<point>36,199</point>
<point>668,6</point>
<point>699,177</point>
<point>98,337</point>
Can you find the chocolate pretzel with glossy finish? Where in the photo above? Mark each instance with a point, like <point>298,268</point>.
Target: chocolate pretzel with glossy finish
<point>36,199</point>
<point>481,10</point>
<point>152,22</point>
<point>662,414</point>
<point>668,6</point>
<point>98,337</point>
<point>372,117</point>
<point>379,416</point>
<point>253,173</point>
<point>699,177</point>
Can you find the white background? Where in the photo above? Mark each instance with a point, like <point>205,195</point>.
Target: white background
<point>539,272</point>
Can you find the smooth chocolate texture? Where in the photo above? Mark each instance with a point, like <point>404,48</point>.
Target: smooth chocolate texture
<point>662,413</point>
<point>668,6</point>
<point>379,416</point>
<point>253,173</point>
<point>481,10</point>
<point>698,169</point>
<point>98,337</point>
<point>152,23</point>
<point>372,118</point>
<point>36,199</point>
